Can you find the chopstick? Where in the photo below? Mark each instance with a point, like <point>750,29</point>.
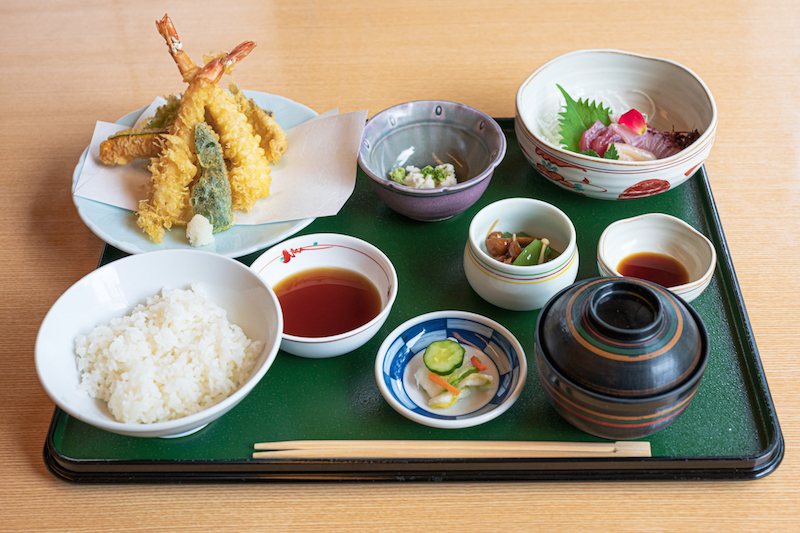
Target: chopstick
<point>432,449</point>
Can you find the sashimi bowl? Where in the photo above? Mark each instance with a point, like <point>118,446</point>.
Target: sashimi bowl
<point>399,369</point>
<point>159,344</point>
<point>431,133</point>
<point>662,118</point>
<point>336,292</point>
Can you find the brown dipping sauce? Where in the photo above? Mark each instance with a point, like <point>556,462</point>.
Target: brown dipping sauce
<point>320,302</point>
<point>655,267</point>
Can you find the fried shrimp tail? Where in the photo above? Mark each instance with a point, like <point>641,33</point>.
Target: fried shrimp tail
<point>185,64</point>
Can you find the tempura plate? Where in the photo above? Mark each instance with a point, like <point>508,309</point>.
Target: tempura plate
<point>117,226</point>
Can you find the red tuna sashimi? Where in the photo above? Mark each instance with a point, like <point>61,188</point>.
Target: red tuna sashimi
<point>653,141</point>
<point>598,137</point>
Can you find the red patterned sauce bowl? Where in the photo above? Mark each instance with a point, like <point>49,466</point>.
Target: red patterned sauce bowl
<point>335,292</point>
<point>673,98</point>
<point>620,358</point>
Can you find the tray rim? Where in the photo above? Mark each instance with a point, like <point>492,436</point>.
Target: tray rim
<point>599,469</point>
<point>246,470</point>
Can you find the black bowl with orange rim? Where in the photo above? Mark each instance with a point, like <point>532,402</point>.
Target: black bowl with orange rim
<point>620,358</point>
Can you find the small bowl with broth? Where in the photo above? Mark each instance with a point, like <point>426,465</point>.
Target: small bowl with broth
<point>335,292</point>
<point>498,261</point>
<point>660,248</point>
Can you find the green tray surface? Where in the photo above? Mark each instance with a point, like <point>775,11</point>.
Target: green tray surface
<point>731,422</point>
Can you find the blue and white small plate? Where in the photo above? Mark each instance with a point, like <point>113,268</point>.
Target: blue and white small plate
<point>400,356</point>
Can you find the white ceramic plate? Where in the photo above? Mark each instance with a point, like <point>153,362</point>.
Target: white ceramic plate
<point>117,226</point>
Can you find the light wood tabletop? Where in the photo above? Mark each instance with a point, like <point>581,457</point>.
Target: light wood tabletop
<point>66,65</point>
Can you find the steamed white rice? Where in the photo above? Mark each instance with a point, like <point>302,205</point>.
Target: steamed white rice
<point>175,355</point>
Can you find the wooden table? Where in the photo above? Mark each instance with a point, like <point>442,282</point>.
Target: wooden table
<point>67,64</point>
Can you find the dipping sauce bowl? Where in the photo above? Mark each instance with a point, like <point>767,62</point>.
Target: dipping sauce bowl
<point>330,250</point>
<point>662,234</point>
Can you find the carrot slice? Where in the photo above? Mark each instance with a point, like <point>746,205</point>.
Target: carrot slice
<point>439,380</point>
<point>477,363</point>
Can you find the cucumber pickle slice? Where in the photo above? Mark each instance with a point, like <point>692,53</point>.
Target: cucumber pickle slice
<point>443,357</point>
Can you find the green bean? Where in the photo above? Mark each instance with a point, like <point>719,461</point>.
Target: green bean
<point>529,255</point>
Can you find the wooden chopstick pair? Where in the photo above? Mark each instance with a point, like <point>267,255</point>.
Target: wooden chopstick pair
<point>433,449</point>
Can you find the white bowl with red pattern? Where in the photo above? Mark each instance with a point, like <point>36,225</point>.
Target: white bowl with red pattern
<point>336,251</point>
<point>673,97</point>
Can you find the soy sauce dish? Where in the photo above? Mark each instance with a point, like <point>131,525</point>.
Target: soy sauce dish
<point>335,292</point>
<point>658,243</point>
<point>401,356</point>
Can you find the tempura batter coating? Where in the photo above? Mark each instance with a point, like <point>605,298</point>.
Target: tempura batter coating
<point>273,138</point>
<point>174,170</point>
<point>127,145</point>
<point>168,203</point>
<point>249,174</point>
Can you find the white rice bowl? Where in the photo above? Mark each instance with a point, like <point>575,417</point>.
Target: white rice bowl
<point>183,392</point>
<point>175,355</point>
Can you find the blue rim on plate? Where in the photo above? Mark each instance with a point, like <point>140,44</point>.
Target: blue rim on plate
<point>496,343</point>
<point>117,226</point>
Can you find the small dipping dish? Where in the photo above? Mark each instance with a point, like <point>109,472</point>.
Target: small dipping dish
<point>400,356</point>
<point>659,233</point>
<point>620,358</point>
<point>431,132</point>
<point>327,256</point>
<point>515,287</point>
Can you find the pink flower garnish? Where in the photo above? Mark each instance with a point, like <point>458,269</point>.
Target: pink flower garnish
<point>634,120</point>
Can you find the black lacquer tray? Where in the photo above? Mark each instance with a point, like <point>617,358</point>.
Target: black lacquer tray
<point>730,431</point>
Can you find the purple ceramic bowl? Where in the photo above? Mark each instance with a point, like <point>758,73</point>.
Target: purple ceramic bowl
<point>431,132</point>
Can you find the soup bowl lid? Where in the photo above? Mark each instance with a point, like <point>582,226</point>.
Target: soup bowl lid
<point>622,337</point>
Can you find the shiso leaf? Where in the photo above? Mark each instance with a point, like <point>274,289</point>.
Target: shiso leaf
<point>611,152</point>
<point>578,117</point>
